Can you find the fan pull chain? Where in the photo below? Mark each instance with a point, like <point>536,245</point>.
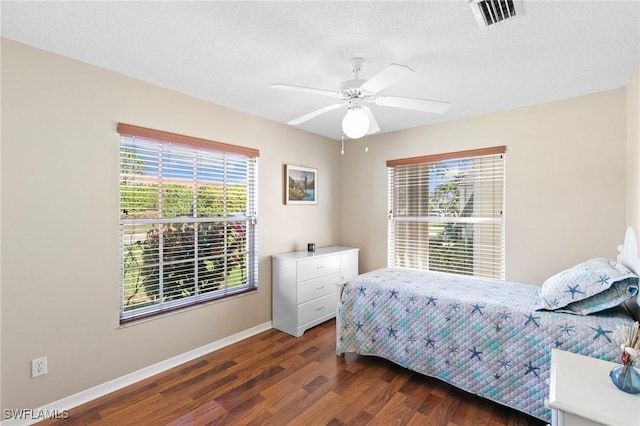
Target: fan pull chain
<point>342,149</point>
<point>366,145</point>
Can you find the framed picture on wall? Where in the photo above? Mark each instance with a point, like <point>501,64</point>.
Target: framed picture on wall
<point>301,185</point>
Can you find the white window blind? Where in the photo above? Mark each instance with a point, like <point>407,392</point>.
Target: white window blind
<point>188,221</point>
<point>446,213</point>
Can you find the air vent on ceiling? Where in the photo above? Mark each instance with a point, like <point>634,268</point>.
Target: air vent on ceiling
<point>491,12</point>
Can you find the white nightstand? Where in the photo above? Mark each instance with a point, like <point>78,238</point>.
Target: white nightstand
<point>582,393</point>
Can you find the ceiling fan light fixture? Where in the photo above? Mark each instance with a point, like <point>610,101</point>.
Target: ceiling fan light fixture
<point>355,123</point>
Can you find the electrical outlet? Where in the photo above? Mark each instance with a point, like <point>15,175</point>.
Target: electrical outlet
<point>39,367</point>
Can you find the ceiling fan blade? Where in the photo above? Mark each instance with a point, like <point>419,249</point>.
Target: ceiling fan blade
<point>314,114</point>
<point>373,124</point>
<point>385,78</point>
<point>306,90</point>
<point>425,105</point>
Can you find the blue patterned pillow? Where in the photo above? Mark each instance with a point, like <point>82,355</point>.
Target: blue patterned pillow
<point>588,287</point>
<point>615,295</point>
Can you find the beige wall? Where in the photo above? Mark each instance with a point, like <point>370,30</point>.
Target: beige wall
<point>565,181</point>
<point>633,150</point>
<point>59,200</point>
<point>60,266</point>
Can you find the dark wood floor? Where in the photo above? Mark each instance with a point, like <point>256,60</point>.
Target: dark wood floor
<point>275,379</point>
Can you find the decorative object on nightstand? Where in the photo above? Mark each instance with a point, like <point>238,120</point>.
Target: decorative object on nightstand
<point>306,286</point>
<point>625,376</point>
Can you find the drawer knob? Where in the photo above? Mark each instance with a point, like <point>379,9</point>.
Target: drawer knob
<point>320,288</point>
<point>319,266</point>
<point>320,308</point>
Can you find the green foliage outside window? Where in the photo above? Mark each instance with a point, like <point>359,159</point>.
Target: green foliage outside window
<point>151,277</point>
<point>142,201</point>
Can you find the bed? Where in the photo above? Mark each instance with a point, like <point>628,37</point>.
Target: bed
<point>490,338</point>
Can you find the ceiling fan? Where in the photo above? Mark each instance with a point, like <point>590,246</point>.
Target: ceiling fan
<point>355,93</point>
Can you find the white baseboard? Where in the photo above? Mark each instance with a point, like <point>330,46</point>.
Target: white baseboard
<point>62,406</point>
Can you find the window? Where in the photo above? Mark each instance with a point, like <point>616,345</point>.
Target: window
<point>446,212</point>
<point>188,228</point>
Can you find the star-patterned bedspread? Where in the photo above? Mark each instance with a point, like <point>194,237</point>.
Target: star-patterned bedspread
<point>480,335</point>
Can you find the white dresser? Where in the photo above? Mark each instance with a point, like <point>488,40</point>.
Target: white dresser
<point>305,286</point>
<point>581,393</point>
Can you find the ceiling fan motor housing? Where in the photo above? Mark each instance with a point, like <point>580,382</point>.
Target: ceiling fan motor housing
<point>354,103</point>
<point>352,89</point>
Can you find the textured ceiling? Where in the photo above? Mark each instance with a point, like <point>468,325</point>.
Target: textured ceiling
<point>230,52</point>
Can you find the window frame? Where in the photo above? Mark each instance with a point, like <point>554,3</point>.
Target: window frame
<point>410,230</point>
<point>192,230</point>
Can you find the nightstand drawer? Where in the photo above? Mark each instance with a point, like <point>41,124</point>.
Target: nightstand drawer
<point>312,289</point>
<point>316,308</point>
<point>319,267</point>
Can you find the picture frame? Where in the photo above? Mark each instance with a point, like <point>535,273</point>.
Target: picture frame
<point>300,185</point>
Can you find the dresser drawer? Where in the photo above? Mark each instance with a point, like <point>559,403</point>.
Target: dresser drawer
<point>312,289</point>
<point>316,308</point>
<point>318,267</point>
